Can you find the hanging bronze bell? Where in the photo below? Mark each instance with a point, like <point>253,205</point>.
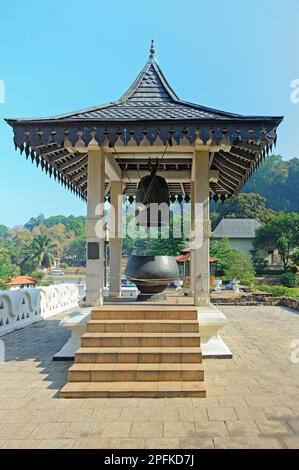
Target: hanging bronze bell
<point>152,190</point>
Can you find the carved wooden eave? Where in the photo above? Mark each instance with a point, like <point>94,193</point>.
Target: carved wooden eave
<point>148,116</point>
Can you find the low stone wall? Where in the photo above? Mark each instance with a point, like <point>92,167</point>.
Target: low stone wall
<point>20,308</point>
<point>291,303</point>
<point>257,298</point>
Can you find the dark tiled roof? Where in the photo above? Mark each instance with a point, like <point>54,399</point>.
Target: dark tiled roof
<point>150,97</point>
<point>236,228</point>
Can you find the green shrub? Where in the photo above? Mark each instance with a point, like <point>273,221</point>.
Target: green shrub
<point>240,267</point>
<point>295,256</point>
<point>277,291</point>
<point>37,275</point>
<point>293,269</point>
<point>288,279</point>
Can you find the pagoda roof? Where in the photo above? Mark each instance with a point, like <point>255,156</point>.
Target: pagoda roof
<point>149,98</point>
<point>149,113</point>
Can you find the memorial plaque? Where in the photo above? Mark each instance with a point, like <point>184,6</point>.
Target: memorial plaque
<point>93,250</point>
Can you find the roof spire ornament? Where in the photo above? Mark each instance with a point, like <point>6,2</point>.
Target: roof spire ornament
<point>152,50</point>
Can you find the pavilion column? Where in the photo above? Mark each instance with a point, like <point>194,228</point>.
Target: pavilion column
<point>200,225</point>
<point>115,241</point>
<point>95,234</point>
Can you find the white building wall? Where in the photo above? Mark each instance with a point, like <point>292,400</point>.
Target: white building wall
<point>245,244</point>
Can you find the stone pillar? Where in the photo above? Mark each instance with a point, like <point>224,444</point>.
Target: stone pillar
<point>200,270</point>
<point>95,234</point>
<point>192,226</point>
<point>115,241</point>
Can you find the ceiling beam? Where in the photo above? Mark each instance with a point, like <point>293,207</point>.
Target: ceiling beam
<point>55,158</point>
<point>81,183</point>
<point>50,151</point>
<point>72,161</point>
<point>223,178</point>
<point>235,160</point>
<point>227,188</point>
<point>243,154</point>
<point>112,168</point>
<point>171,176</point>
<point>223,162</point>
<point>252,147</point>
<point>76,167</point>
<point>78,175</point>
<point>225,171</point>
<point>171,160</point>
<point>151,149</point>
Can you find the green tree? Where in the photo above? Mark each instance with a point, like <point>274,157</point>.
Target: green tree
<point>233,263</point>
<point>281,232</point>
<point>77,249</point>
<point>4,232</point>
<point>40,252</point>
<point>221,249</point>
<point>240,266</point>
<point>19,245</point>
<point>61,238</point>
<point>277,181</point>
<point>71,223</point>
<point>295,256</point>
<point>7,269</point>
<point>5,236</point>
<point>244,206</point>
<point>35,222</point>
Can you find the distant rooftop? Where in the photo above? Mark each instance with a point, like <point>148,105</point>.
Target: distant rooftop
<point>236,228</point>
<point>22,280</point>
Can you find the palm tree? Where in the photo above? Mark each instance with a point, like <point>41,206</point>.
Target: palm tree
<point>40,252</point>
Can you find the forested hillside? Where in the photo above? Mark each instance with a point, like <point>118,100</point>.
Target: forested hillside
<point>273,188</point>
<point>278,181</point>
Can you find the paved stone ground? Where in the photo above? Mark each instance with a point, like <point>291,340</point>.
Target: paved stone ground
<point>253,399</point>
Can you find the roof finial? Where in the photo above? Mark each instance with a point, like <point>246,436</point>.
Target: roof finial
<point>152,49</point>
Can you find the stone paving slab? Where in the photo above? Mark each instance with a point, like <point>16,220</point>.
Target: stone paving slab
<point>252,402</point>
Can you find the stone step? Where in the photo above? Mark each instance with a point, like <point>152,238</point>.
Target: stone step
<point>144,314</point>
<point>132,389</point>
<point>141,372</point>
<point>140,339</point>
<point>142,326</point>
<point>139,354</point>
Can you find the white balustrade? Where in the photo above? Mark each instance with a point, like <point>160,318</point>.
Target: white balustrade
<point>20,308</point>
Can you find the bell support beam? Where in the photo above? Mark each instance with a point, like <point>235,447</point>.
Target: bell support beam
<point>200,227</point>
<point>171,176</point>
<point>95,235</point>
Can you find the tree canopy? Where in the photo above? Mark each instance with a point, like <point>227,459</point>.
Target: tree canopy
<point>277,181</point>
<point>7,268</point>
<point>40,252</point>
<point>281,232</point>
<point>243,206</point>
<point>233,263</point>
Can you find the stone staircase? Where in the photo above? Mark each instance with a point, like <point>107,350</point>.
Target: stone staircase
<point>134,351</point>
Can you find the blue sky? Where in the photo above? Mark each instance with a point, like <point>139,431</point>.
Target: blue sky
<point>58,56</point>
